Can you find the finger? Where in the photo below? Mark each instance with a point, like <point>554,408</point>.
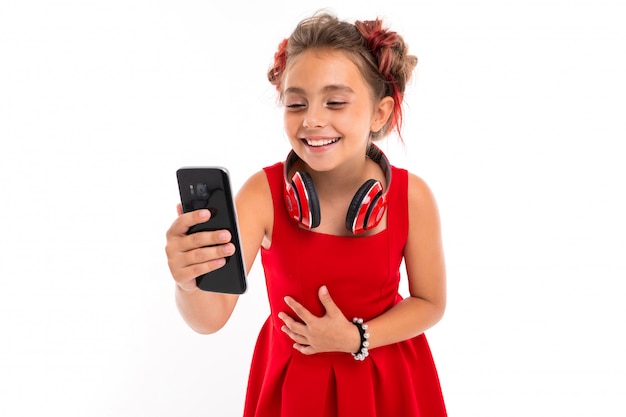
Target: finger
<point>203,239</point>
<point>327,301</point>
<point>296,337</point>
<point>300,310</point>
<point>292,325</point>
<point>198,256</point>
<point>179,209</point>
<point>206,254</point>
<point>304,349</point>
<point>185,276</point>
<point>183,222</point>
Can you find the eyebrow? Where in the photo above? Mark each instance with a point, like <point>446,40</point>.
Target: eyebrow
<point>327,89</point>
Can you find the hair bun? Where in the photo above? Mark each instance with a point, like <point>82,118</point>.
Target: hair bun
<point>280,62</point>
<point>395,64</point>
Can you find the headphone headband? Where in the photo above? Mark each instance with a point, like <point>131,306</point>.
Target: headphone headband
<point>376,154</point>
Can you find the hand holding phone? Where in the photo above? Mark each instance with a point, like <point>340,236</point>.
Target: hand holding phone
<point>209,188</point>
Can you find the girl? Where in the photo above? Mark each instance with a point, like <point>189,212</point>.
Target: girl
<point>333,223</point>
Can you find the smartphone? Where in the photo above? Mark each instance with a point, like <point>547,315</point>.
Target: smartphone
<point>209,188</point>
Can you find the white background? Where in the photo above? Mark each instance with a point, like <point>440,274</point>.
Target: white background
<point>514,117</point>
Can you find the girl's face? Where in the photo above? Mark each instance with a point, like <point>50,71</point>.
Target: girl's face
<point>329,110</point>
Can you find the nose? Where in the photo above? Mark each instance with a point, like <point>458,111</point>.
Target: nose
<point>314,117</point>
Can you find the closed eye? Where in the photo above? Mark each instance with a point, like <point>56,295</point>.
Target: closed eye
<point>336,103</point>
<point>295,106</point>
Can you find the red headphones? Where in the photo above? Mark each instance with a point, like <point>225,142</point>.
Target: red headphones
<point>365,211</point>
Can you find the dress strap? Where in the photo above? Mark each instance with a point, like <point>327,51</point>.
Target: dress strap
<point>398,207</point>
<point>275,177</point>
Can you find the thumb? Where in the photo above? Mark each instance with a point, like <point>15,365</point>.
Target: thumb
<point>327,301</point>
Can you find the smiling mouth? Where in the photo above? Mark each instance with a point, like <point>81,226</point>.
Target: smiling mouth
<point>320,142</point>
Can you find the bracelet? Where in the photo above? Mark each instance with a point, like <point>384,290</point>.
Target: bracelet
<point>363,352</point>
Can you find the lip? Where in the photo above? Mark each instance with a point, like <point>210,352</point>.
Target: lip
<point>319,143</point>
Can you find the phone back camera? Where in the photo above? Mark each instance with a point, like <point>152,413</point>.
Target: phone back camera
<point>202,190</point>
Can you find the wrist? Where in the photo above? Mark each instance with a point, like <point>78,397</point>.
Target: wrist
<point>188,289</point>
<point>354,339</point>
<point>362,351</point>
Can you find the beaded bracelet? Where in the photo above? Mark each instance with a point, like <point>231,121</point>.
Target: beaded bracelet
<point>363,352</point>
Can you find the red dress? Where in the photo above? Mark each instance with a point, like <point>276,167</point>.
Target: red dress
<point>362,275</point>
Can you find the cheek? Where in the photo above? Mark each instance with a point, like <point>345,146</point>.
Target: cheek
<point>355,122</point>
<point>292,123</point>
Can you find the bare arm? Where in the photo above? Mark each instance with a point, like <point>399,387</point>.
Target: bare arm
<point>188,255</point>
<point>426,272</point>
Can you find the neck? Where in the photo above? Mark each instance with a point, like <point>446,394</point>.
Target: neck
<point>339,181</point>
<point>345,179</point>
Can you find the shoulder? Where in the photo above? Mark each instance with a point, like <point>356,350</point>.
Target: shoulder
<point>418,188</point>
<point>254,204</point>
<point>421,199</point>
<point>263,186</point>
<point>256,187</point>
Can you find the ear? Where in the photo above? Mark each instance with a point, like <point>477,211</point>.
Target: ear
<point>382,113</point>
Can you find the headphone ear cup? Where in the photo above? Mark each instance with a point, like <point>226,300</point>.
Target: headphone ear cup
<point>308,201</point>
<point>292,201</point>
<point>360,209</point>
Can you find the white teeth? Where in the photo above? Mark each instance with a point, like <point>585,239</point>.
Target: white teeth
<point>322,142</point>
